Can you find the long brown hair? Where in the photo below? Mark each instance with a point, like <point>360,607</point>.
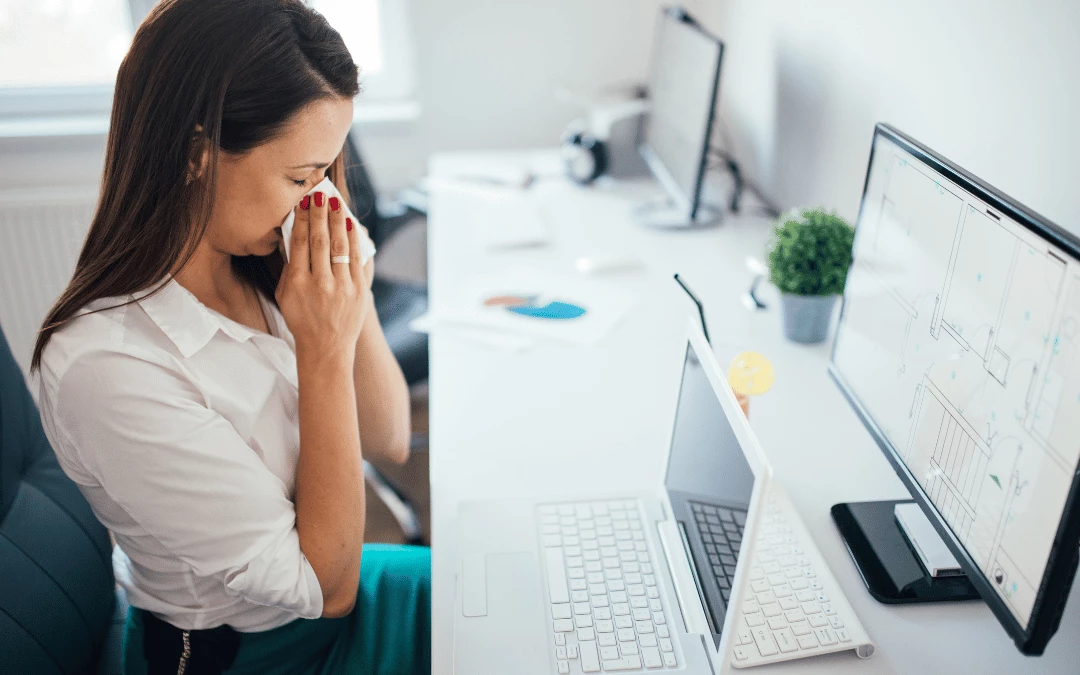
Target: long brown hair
<point>201,75</point>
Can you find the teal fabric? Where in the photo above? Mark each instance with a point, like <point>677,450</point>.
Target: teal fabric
<point>56,578</point>
<point>387,633</point>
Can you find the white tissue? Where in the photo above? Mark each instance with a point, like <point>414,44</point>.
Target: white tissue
<point>367,247</point>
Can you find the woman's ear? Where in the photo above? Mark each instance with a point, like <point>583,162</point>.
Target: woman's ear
<point>200,155</point>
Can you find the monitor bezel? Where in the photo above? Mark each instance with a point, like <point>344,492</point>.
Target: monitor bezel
<point>1053,592</point>
<point>692,203</point>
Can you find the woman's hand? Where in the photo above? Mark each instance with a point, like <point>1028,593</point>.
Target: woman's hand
<point>324,304</point>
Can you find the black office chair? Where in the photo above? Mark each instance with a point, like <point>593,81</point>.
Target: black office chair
<point>60,611</point>
<point>397,303</point>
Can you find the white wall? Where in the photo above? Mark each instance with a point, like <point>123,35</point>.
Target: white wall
<point>990,84</point>
<point>487,72</point>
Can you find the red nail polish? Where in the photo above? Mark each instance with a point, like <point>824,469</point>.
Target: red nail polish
<point>335,203</point>
<point>348,224</point>
<point>318,199</point>
<point>305,202</point>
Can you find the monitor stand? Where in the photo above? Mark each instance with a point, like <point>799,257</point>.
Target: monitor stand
<point>886,557</point>
<point>664,214</point>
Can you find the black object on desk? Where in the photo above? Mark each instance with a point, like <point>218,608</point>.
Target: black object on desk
<point>889,568</point>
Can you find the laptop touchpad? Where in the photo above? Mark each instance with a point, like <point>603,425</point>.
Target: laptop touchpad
<point>510,634</point>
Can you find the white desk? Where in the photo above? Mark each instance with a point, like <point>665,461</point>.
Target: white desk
<point>507,423</point>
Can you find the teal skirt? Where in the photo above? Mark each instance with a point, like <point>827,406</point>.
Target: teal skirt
<point>389,630</point>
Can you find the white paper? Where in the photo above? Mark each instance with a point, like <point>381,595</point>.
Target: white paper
<point>367,247</point>
<point>603,306</point>
<point>503,217</point>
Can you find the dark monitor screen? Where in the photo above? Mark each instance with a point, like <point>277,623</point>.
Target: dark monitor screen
<point>959,346</point>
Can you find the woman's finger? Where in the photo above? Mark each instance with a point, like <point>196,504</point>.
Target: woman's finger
<point>339,239</point>
<point>352,231</point>
<point>298,243</point>
<point>319,236</point>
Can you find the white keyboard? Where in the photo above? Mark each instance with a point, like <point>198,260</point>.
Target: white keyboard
<point>607,612</point>
<point>793,608</point>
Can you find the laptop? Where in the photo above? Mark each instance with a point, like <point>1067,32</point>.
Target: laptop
<point>713,567</point>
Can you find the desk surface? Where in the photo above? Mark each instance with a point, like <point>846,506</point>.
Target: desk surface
<point>614,403</point>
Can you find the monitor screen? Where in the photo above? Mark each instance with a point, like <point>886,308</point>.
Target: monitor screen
<point>959,343</point>
<point>709,485</point>
<point>682,92</point>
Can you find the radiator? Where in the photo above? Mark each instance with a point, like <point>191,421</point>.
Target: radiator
<point>41,234</point>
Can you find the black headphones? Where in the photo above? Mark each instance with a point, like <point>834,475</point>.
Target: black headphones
<point>585,157</point>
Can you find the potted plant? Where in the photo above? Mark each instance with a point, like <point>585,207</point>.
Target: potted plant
<point>809,256</point>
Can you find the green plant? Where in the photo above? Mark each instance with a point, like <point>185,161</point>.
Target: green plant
<point>810,253</point>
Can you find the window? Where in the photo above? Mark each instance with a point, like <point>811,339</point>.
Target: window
<point>58,58</point>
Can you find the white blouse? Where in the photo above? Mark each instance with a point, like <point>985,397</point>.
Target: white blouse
<point>181,428</point>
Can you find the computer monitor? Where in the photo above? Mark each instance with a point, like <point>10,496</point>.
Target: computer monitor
<point>959,347</point>
<point>676,135</point>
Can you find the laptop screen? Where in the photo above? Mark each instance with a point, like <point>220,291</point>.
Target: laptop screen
<point>709,483</point>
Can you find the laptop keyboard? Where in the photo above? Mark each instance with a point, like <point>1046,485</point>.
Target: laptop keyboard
<point>606,607</point>
<point>722,531</point>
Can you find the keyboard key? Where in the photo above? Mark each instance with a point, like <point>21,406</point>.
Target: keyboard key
<point>665,645</point>
<point>811,608</point>
<point>766,644</point>
<point>609,653</point>
<point>756,573</point>
<point>560,652</point>
<point>653,594</point>
<point>604,626</point>
<point>788,603</point>
<point>768,597</point>
<point>579,596</point>
<point>629,648</point>
<point>583,621</point>
<point>651,657</point>
<point>606,639</point>
<point>658,618</point>
<point>560,611</point>
<point>775,580</point>
<point>821,596</point>
<point>643,627</point>
<point>624,622</point>
<point>655,605</point>
<point>647,640</point>
<point>835,622</point>
<point>827,609</point>
<point>794,615</point>
<point>741,653</point>
<point>596,589</point>
<point>818,620</point>
<point>798,584</point>
<point>770,610</point>
<point>842,635</point>
<point>825,636</point>
<point>582,608</point>
<point>759,586</point>
<point>560,639</point>
<point>754,620</point>
<point>804,596</point>
<point>625,634</point>
<point>625,663</point>
<point>743,637</point>
<point>620,609</point>
<point>785,641</point>
<point>641,615</point>
<point>815,585</point>
<point>600,601</point>
<point>801,628</point>
<point>572,652</point>
<point>669,660</point>
<point>590,658</point>
<point>578,584</point>
<point>563,625</point>
<point>777,622</point>
<point>603,613</point>
<point>564,667</point>
<point>783,591</point>
<point>807,641</point>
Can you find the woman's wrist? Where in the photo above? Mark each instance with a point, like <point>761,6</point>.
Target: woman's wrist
<point>321,358</point>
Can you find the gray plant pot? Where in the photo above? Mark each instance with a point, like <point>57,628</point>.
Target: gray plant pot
<point>806,317</point>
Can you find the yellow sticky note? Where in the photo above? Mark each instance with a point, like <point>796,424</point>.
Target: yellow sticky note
<point>751,373</point>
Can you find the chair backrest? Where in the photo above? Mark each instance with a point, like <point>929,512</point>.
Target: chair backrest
<point>56,579</point>
<point>362,191</point>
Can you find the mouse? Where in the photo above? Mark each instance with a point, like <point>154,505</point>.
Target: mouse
<point>604,264</point>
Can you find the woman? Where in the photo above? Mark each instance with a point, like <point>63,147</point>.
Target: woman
<point>214,404</point>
